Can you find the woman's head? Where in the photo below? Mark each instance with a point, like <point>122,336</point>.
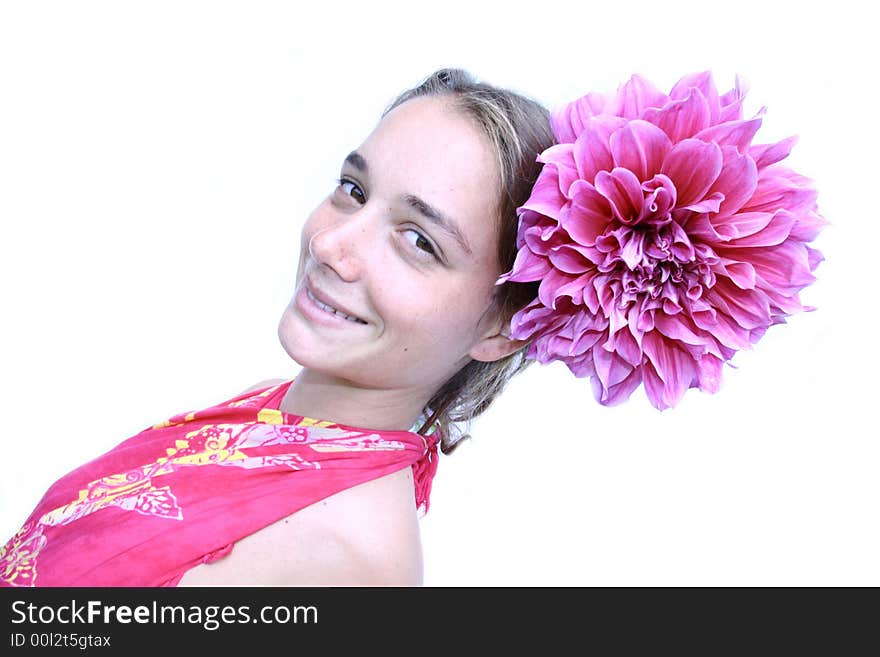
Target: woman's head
<point>411,243</point>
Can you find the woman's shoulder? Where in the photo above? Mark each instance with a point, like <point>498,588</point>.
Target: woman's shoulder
<point>367,535</point>
<point>376,524</point>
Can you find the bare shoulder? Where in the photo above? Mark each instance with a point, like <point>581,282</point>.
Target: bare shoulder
<point>367,535</point>
<point>375,525</point>
<point>263,384</point>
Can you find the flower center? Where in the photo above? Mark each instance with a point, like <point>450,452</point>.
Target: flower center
<point>654,263</point>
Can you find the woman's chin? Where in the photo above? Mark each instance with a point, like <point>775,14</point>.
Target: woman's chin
<point>303,345</point>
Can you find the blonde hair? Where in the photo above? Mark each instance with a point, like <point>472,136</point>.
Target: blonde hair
<point>519,129</point>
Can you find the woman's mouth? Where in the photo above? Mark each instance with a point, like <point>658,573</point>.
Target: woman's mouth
<point>331,310</point>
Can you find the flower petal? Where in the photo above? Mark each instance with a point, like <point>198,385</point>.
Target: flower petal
<point>682,118</point>
<point>672,365</point>
<point>731,102</point>
<point>723,328</point>
<point>618,393</point>
<point>589,215</point>
<point>592,150</point>
<point>635,97</point>
<point>569,120</point>
<point>693,165</point>
<point>784,267</point>
<point>624,193</point>
<point>527,267</point>
<point>749,308</point>
<point>654,387</point>
<point>640,147</point>
<point>741,273</point>
<point>780,187</point>
<point>740,224</point>
<point>546,197</point>
<point>737,181</point>
<point>571,259</point>
<point>548,291</point>
<point>679,329</point>
<point>703,84</point>
<point>814,257</point>
<point>632,246</point>
<point>709,203</point>
<point>534,318</point>
<point>807,226</point>
<point>541,234</point>
<point>732,133</point>
<point>610,368</point>
<point>660,197</point>
<point>625,344</point>
<point>766,154</point>
<point>775,232</point>
<point>709,373</point>
<point>560,157</point>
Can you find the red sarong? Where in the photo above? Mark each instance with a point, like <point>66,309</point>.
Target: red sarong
<point>183,491</point>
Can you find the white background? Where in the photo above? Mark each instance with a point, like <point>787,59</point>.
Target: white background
<point>157,160</point>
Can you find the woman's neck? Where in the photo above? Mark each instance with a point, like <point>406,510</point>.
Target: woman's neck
<point>324,397</point>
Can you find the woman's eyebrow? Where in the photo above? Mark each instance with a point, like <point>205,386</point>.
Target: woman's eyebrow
<point>429,212</point>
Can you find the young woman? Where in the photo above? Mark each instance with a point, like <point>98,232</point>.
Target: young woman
<point>656,241</point>
<point>400,330</point>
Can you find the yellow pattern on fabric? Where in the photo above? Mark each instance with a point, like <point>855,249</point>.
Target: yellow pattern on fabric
<point>312,422</point>
<point>19,561</point>
<point>270,416</point>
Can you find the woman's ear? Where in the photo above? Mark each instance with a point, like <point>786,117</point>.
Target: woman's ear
<point>496,345</point>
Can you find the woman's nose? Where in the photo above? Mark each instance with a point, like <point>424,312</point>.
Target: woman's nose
<point>343,245</point>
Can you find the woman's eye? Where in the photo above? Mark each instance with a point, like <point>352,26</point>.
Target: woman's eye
<point>421,244</point>
<point>343,184</point>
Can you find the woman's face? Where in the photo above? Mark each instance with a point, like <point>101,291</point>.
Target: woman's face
<point>372,250</point>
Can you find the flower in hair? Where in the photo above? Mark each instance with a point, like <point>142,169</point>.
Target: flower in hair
<point>664,240</point>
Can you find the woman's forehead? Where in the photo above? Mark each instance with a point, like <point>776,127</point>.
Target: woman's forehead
<point>432,129</point>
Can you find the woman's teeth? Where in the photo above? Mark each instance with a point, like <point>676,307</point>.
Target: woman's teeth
<point>332,310</point>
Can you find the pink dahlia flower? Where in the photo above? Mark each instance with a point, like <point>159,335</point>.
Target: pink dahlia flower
<point>664,240</point>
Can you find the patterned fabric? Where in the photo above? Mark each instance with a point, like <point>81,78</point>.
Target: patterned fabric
<point>183,491</point>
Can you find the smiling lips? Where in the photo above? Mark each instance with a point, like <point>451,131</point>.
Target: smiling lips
<point>330,309</point>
